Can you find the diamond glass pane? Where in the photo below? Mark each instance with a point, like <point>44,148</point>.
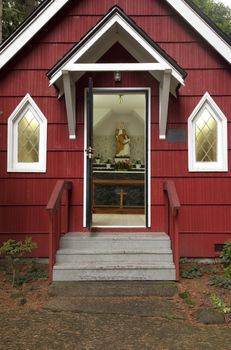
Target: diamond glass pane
<point>206,138</point>
<point>28,139</point>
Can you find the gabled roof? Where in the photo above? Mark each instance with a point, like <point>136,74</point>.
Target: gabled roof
<point>116,10</point>
<point>114,27</point>
<point>49,8</point>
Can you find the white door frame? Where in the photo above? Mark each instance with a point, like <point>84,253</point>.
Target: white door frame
<point>148,150</point>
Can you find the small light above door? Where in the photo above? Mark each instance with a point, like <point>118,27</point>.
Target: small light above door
<point>117,76</point>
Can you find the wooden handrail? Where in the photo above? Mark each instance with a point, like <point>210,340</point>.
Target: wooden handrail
<point>170,188</point>
<point>54,207</point>
<point>57,192</point>
<point>173,203</point>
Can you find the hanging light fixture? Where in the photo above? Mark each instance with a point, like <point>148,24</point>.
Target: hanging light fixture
<point>121,99</point>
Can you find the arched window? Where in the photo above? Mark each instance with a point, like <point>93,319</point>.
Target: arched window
<point>207,137</point>
<point>27,138</point>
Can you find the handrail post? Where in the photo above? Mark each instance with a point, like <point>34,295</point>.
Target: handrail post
<point>54,207</point>
<point>50,244</point>
<point>68,200</point>
<point>173,207</point>
<point>59,225</point>
<point>177,253</point>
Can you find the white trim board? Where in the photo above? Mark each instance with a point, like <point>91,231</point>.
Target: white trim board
<point>148,151</point>
<point>184,10</point>
<point>221,165</point>
<point>30,30</point>
<point>13,165</point>
<point>119,28</point>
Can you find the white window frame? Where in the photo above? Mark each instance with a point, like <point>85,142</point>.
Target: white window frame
<point>222,150</point>
<point>12,150</point>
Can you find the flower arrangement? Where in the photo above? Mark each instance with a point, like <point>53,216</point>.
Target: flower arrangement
<point>123,165</point>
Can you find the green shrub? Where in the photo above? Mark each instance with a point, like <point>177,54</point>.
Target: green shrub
<point>191,272</point>
<point>228,272</point>
<point>14,250</point>
<point>220,281</point>
<point>34,272</point>
<point>186,297</point>
<point>219,304</point>
<point>226,254</point>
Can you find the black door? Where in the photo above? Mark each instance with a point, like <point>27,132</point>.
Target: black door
<point>89,152</point>
<point>146,160</point>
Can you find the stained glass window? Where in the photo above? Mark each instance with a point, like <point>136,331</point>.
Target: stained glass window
<point>206,138</point>
<point>28,139</point>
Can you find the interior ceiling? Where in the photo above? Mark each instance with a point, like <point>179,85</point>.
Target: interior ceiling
<point>120,103</point>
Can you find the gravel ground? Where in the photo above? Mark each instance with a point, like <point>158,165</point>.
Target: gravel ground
<point>47,330</point>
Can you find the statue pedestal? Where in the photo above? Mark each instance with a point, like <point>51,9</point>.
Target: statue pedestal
<point>121,159</point>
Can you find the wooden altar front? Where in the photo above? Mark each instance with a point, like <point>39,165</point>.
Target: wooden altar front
<point>118,192</point>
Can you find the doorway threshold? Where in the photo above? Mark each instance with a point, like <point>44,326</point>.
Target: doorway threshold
<point>113,226</point>
<point>118,220</point>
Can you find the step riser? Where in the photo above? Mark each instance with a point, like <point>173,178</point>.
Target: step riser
<point>105,258</point>
<point>110,245</point>
<point>114,275</point>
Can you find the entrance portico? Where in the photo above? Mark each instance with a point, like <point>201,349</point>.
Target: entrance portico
<point>116,27</point>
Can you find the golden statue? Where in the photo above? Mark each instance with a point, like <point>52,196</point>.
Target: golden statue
<point>122,142</point>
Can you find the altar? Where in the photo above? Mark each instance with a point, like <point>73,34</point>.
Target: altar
<point>118,191</point>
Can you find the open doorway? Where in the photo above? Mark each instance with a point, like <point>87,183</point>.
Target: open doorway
<point>120,164</point>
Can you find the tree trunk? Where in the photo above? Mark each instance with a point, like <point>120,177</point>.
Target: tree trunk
<point>0,21</point>
<point>29,7</point>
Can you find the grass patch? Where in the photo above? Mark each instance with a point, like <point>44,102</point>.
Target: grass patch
<point>186,297</point>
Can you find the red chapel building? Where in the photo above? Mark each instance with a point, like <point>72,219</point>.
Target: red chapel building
<point>115,132</point>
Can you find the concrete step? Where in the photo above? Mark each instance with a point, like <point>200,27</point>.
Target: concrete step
<point>114,256</point>
<point>111,272</point>
<point>78,256</point>
<point>113,288</point>
<point>115,240</point>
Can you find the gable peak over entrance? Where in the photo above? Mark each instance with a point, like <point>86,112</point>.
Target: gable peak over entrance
<point>116,27</point>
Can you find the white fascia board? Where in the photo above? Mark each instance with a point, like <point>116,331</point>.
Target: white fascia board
<point>149,49</point>
<point>99,67</point>
<point>136,36</point>
<point>83,49</point>
<point>30,30</point>
<point>202,27</point>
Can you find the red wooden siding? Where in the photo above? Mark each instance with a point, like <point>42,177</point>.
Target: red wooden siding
<point>205,197</point>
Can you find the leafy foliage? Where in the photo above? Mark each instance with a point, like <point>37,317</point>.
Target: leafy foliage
<point>228,272</point>
<point>14,12</point>
<point>219,304</point>
<point>191,271</point>
<point>217,12</point>
<point>14,250</point>
<point>220,281</point>
<point>186,297</point>
<point>226,253</point>
<point>33,273</point>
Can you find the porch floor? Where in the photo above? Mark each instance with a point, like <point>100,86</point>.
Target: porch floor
<point>125,220</point>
